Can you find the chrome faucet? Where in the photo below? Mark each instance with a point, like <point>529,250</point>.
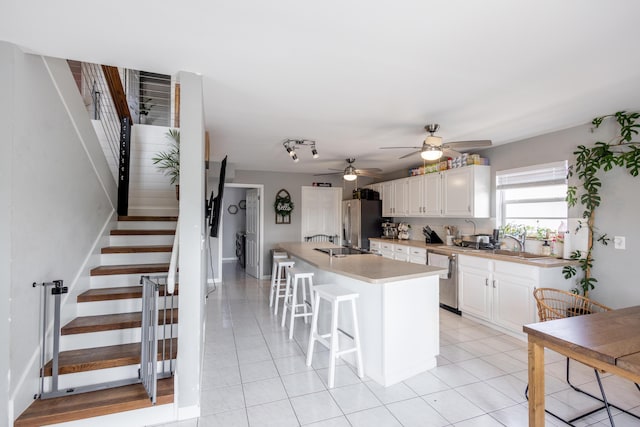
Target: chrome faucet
<point>519,238</point>
<point>474,225</point>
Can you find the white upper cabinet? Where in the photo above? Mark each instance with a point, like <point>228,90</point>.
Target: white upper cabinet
<point>456,193</point>
<point>466,192</point>
<point>388,200</point>
<point>401,197</point>
<point>416,189</point>
<point>432,194</point>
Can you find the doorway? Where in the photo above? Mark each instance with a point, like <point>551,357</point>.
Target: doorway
<point>253,212</point>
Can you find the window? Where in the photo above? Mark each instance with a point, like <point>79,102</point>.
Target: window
<point>533,196</point>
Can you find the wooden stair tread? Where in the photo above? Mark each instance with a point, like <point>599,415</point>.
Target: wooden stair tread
<point>136,249</point>
<point>109,294</point>
<point>110,322</point>
<point>93,404</point>
<point>146,218</point>
<point>89,359</point>
<point>106,270</point>
<point>156,232</point>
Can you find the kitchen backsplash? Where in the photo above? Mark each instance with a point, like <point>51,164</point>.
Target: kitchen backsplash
<point>483,226</point>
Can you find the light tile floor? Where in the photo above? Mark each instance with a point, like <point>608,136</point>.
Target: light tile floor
<point>255,376</point>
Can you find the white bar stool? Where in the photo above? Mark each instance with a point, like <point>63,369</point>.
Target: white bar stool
<point>277,284</point>
<point>334,294</point>
<point>277,255</point>
<point>294,278</point>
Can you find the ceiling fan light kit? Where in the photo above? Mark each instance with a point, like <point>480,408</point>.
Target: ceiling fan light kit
<point>290,146</point>
<point>431,153</point>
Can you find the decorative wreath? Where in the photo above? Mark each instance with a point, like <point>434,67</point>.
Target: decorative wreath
<point>283,206</point>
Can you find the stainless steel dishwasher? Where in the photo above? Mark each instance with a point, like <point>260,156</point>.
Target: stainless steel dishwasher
<point>448,280</point>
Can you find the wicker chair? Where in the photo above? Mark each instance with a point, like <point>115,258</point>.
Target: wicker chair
<point>557,304</point>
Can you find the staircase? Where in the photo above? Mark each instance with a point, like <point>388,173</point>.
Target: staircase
<point>102,344</point>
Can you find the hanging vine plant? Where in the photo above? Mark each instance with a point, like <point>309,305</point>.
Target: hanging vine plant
<point>621,151</point>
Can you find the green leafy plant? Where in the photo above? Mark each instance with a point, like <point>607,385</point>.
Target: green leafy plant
<point>621,151</point>
<point>169,161</point>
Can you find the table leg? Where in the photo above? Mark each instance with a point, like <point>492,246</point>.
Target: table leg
<point>536,383</point>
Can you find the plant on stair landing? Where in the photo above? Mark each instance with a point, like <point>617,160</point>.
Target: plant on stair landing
<point>621,151</point>
<point>169,161</point>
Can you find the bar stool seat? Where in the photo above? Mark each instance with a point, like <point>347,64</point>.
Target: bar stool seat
<point>296,277</point>
<point>334,295</point>
<point>279,282</point>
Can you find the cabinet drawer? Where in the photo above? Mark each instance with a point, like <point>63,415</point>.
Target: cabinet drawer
<point>475,262</point>
<point>374,245</point>
<point>401,249</point>
<point>386,246</point>
<point>418,252</point>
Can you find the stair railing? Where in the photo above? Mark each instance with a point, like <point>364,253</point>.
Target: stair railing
<point>57,290</point>
<point>157,363</point>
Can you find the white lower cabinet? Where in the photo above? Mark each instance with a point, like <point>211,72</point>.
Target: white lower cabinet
<point>398,252</point>
<point>501,292</point>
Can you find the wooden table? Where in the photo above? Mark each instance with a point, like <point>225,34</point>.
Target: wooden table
<point>609,341</point>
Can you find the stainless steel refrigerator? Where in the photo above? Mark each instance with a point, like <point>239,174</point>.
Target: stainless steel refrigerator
<point>361,220</point>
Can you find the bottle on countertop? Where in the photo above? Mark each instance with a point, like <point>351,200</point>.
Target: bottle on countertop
<point>546,249</point>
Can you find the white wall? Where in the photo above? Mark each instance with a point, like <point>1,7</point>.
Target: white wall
<point>61,196</point>
<point>6,173</point>
<point>192,266</point>
<point>149,190</point>
<point>232,223</point>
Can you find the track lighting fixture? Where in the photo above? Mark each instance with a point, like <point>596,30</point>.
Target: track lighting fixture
<point>291,144</point>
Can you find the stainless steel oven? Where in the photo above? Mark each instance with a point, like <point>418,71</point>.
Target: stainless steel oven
<point>448,280</point>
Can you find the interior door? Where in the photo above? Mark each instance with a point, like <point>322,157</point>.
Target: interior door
<point>253,233</point>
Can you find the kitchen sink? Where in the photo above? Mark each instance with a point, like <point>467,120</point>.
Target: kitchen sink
<point>521,255</point>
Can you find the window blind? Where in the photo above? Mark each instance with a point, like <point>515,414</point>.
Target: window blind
<point>545,174</point>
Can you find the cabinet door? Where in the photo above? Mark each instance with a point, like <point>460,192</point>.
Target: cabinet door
<point>432,194</point>
<point>475,291</point>
<point>387,198</point>
<point>400,193</point>
<point>457,192</point>
<point>513,302</point>
<point>415,203</point>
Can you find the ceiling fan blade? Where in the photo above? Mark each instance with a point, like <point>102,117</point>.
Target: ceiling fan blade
<point>330,173</point>
<point>367,173</point>
<point>468,144</point>
<point>410,154</point>
<point>451,153</point>
<point>369,169</point>
<point>393,148</point>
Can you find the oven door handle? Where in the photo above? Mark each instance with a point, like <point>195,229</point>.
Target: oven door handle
<point>452,261</point>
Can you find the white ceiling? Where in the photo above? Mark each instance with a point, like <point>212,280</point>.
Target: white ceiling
<point>357,75</point>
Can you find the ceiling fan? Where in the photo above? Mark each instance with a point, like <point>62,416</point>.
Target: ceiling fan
<point>433,147</point>
<point>350,173</point>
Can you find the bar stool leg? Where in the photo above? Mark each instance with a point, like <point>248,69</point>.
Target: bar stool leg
<point>334,343</point>
<point>356,339</point>
<point>290,300</point>
<point>294,299</point>
<point>314,329</point>
<point>277,288</point>
<point>310,299</point>
<point>273,282</point>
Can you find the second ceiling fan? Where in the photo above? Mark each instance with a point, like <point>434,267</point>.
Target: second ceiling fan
<point>350,173</point>
<point>433,148</point>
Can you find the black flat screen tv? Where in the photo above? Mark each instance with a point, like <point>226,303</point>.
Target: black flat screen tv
<point>217,201</point>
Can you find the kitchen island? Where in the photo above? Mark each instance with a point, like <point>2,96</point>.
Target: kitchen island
<point>398,309</point>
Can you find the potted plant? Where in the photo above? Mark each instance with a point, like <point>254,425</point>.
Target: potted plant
<point>169,161</point>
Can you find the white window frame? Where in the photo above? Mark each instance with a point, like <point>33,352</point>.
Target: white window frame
<point>531,176</point>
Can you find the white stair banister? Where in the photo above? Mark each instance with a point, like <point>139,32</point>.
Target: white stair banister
<point>173,264</point>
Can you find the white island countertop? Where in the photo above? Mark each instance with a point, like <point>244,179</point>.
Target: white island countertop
<point>397,308</point>
<point>365,267</point>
